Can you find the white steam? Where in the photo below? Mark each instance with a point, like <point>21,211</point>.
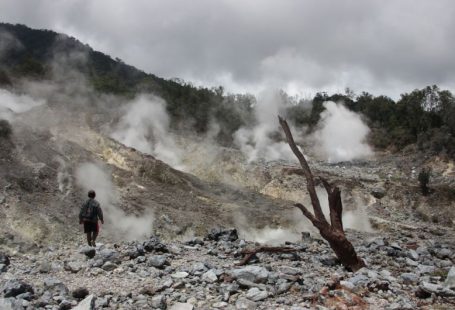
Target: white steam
<point>145,126</point>
<point>118,223</point>
<point>256,142</point>
<point>342,134</point>
<point>12,104</point>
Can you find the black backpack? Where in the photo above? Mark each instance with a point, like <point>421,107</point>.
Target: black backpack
<point>89,211</point>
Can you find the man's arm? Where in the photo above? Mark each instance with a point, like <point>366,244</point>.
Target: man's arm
<point>80,213</point>
<point>100,214</point>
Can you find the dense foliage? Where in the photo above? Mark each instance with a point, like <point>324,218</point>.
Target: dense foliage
<point>424,117</point>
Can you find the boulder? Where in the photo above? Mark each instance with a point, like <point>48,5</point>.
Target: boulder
<point>10,304</point>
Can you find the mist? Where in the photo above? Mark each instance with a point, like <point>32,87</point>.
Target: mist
<point>12,104</point>
<point>256,142</point>
<point>144,126</point>
<point>118,223</point>
<point>341,135</point>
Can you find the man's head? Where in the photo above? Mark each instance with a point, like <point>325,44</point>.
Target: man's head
<point>91,193</point>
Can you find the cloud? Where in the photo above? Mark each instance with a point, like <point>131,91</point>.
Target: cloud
<point>382,47</point>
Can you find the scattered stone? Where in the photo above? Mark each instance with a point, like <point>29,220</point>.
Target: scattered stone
<point>180,275</point>
<point>409,278</point>
<point>10,304</point>
<point>12,288</point>
<point>73,266</point>
<point>209,276</point>
<point>45,267</point>
<point>436,289</point>
<point>159,302</point>
<point>87,304</point>
<point>245,304</point>
<point>450,280</point>
<point>181,306</point>
<point>254,274</point>
<point>4,259</point>
<point>157,261</point>
<point>218,234</point>
<point>109,266</point>
<point>256,294</point>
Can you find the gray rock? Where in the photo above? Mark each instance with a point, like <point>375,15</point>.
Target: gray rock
<point>220,304</point>
<point>443,253</point>
<point>413,255</point>
<point>290,270</point>
<point>245,304</point>
<point>409,278</point>
<point>73,266</point>
<point>154,244</point>
<point>65,305</point>
<point>159,302</point>
<point>45,267</point>
<point>10,304</point>
<point>13,288</point>
<point>209,276</point>
<point>56,286</point>
<point>254,274</point>
<point>359,280</point>
<point>425,269</point>
<point>436,289</point>
<point>181,306</point>
<point>256,294</point>
<point>198,268</point>
<point>283,287</point>
<point>109,266</point>
<point>179,275</point>
<point>450,279</point>
<point>157,261</point>
<point>108,255</point>
<point>246,283</point>
<point>87,304</point>
<point>2,199</point>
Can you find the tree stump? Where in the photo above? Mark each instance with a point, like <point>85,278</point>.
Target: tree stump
<point>333,232</point>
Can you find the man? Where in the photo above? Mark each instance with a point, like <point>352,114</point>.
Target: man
<point>89,215</point>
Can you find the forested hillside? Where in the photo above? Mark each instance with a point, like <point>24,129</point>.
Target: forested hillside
<point>424,117</point>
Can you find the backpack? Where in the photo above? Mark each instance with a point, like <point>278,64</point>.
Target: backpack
<point>89,211</point>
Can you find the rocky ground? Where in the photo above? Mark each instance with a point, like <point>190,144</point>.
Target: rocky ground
<point>407,268</point>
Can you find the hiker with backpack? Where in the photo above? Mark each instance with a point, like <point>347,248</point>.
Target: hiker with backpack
<point>89,215</point>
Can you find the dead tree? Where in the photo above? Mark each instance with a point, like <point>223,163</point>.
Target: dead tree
<point>333,232</point>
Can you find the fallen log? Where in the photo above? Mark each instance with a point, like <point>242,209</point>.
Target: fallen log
<point>250,253</point>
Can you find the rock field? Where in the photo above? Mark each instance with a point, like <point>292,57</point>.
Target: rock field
<point>407,269</point>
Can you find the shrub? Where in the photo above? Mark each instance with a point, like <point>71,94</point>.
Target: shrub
<point>5,129</point>
<point>424,179</point>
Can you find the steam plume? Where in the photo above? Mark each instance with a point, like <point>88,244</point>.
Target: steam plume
<point>342,134</point>
<point>11,104</point>
<point>118,223</point>
<point>256,142</point>
<point>145,126</point>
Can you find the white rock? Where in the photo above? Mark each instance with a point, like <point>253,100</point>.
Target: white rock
<point>181,306</point>
<point>87,304</point>
<point>450,280</point>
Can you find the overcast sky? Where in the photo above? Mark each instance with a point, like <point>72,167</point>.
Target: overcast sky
<point>384,47</point>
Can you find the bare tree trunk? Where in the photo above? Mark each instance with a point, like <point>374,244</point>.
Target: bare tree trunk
<point>333,232</point>
<point>250,253</point>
